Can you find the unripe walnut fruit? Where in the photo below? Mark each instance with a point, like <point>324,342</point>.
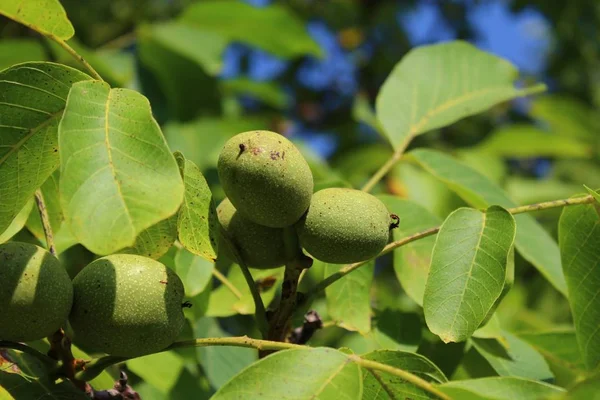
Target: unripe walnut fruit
<point>266,178</point>
<point>258,245</point>
<point>35,293</point>
<point>126,305</point>
<point>344,226</point>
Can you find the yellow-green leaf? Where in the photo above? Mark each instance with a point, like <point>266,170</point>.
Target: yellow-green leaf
<point>47,17</point>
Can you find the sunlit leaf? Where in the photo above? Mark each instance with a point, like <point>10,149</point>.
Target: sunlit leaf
<point>156,240</point>
<point>588,389</point>
<point>268,92</point>
<point>468,271</point>
<point>295,374</point>
<point>411,261</point>
<point>18,223</point>
<point>566,116</point>
<point>434,86</point>
<point>513,357</point>
<point>260,27</point>
<point>379,385</point>
<point>500,388</point>
<point>48,17</point>
<point>530,141</point>
<point>197,224</point>
<point>349,300</point>
<point>118,177</point>
<point>32,100</point>
<point>594,193</point>
<point>579,238</point>
<point>532,241</point>
<point>16,51</point>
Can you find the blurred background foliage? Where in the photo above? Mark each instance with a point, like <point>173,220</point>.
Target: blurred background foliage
<point>311,70</point>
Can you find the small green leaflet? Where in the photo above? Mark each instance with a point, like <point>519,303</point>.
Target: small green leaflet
<point>118,176</point>
<point>468,271</point>
<point>349,299</point>
<point>197,224</point>
<point>33,100</point>
<point>579,239</point>
<point>434,86</point>
<point>47,17</point>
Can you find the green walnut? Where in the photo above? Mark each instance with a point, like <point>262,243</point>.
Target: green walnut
<point>126,305</point>
<point>266,178</point>
<point>259,246</point>
<point>36,293</point>
<point>344,226</point>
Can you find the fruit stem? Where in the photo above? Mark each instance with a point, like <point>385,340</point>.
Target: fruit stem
<point>44,359</point>
<point>546,205</point>
<point>41,205</point>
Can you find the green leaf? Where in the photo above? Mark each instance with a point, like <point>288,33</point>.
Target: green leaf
<point>33,100</point>
<point>468,271</point>
<point>47,17</point>
<point>16,51</point>
<point>380,385</point>
<point>269,93</point>
<point>101,382</point>
<point>195,272</point>
<point>491,330</point>
<point>20,387</point>
<point>18,223</point>
<point>411,261</point>
<point>118,176</point>
<point>295,374</point>
<point>161,369</point>
<point>224,303</point>
<point>585,390</point>
<point>197,224</point>
<point>500,388</point>
<point>561,350</point>
<point>566,116</point>
<point>349,299</point>
<point>220,363</point>
<point>529,141</point>
<point>154,242</point>
<point>579,238</point>
<point>515,358</point>
<point>434,86</point>
<point>593,192</point>
<point>199,45</point>
<point>260,27</point>
<point>532,241</point>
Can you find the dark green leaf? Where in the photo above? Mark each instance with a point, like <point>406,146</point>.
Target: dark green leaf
<point>349,299</point>
<point>532,241</point>
<point>579,238</point>
<point>33,100</point>
<point>296,374</point>
<point>379,385</point>
<point>273,28</point>
<point>434,86</point>
<point>468,271</point>
<point>118,176</point>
